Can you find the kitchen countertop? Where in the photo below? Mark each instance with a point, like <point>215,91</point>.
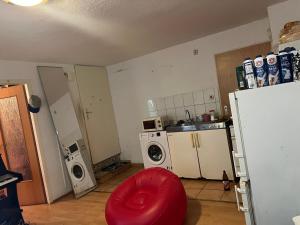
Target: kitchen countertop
<point>213,125</point>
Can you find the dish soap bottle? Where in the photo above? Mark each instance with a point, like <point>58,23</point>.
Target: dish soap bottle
<point>226,182</point>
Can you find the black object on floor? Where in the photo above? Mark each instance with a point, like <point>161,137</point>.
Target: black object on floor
<point>10,212</point>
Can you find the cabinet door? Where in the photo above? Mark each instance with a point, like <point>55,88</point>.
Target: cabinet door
<point>184,154</point>
<point>213,153</point>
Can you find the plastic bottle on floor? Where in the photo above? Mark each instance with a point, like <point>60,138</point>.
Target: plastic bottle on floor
<point>226,182</point>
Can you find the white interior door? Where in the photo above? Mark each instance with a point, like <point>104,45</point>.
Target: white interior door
<point>184,154</point>
<point>98,112</point>
<point>213,153</point>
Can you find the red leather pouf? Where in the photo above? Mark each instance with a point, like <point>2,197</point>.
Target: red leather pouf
<point>153,196</point>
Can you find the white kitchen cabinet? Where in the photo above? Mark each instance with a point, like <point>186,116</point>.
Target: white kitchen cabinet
<point>198,154</point>
<point>214,154</point>
<point>184,156</point>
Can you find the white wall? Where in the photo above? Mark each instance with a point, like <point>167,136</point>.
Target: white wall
<point>54,174</point>
<point>174,70</point>
<point>280,14</point>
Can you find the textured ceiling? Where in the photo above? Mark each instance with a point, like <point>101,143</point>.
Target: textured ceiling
<point>103,32</point>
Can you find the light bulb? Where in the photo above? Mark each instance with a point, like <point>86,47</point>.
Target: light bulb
<point>25,2</point>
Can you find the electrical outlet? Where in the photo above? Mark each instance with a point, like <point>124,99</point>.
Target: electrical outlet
<point>196,52</point>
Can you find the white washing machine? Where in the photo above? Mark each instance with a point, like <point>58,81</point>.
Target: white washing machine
<point>80,170</point>
<point>155,149</point>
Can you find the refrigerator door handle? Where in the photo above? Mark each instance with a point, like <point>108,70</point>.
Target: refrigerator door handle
<point>238,155</point>
<point>241,191</point>
<point>244,209</point>
<point>240,174</point>
<point>234,163</point>
<point>237,191</point>
<point>237,198</point>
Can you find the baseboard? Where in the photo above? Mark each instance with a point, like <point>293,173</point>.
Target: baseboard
<point>140,165</point>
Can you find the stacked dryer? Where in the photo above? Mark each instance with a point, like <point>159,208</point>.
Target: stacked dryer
<point>79,168</point>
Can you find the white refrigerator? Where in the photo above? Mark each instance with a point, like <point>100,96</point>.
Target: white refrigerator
<point>267,133</point>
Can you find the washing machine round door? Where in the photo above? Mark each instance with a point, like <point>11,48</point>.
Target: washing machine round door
<point>78,171</point>
<point>156,153</point>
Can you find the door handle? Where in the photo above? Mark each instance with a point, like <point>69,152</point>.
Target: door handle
<point>193,140</point>
<point>87,113</point>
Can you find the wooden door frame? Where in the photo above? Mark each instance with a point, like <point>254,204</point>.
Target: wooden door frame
<point>28,90</point>
<point>217,70</point>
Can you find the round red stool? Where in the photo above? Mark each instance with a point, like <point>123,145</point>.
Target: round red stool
<point>153,196</point>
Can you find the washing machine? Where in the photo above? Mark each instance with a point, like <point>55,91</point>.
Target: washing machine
<point>79,168</point>
<point>155,149</point>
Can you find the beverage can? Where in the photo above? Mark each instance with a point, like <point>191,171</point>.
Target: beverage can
<point>249,73</point>
<point>295,62</point>
<point>261,71</point>
<point>240,75</point>
<point>286,67</point>
<point>273,69</point>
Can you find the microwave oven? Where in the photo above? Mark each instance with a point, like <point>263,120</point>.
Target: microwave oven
<point>152,124</point>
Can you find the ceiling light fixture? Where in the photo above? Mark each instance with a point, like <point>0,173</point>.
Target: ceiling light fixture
<point>26,3</point>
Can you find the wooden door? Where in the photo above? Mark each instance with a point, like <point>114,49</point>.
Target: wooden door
<point>96,102</point>
<point>17,144</point>
<point>214,154</point>
<point>226,64</point>
<point>184,154</point>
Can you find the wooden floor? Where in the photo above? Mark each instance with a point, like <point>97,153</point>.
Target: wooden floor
<point>89,210</point>
<point>195,189</point>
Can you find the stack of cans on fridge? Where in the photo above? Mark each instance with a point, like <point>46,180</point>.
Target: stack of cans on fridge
<point>270,70</point>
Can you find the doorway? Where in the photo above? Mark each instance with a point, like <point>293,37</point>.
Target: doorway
<point>226,64</point>
<point>17,144</point>
<point>96,103</point>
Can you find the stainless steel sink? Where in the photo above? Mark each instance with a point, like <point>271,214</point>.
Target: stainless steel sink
<point>197,126</point>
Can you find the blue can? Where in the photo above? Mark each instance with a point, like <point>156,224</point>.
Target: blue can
<point>260,64</point>
<point>286,67</point>
<point>273,69</point>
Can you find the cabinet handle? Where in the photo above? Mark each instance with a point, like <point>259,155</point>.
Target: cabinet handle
<point>197,136</point>
<point>193,141</point>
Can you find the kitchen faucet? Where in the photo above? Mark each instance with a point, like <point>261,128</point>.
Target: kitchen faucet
<point>187,112</point>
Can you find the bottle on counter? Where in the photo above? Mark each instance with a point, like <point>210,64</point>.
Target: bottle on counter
<point>226,182</point>
<point>212,115</point>
<point>249,73</point>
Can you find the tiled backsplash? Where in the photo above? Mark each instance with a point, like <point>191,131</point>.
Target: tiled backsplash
<point>172,108</point>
